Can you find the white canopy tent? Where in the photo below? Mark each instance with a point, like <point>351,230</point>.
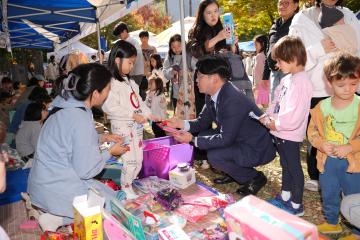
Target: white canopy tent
<point>77,46</point>
<point>107,12</point>
<point>164,37</point>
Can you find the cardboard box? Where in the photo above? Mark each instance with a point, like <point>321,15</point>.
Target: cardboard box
<point>182,179</point>
<point>87,218</point>
<point>252,218</point>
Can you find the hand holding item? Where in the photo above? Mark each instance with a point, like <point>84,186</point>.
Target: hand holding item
<point>183,137</point>
<point>111,138</point>
<point>236,40</point>
<point>174,123</point>
<point>224,34</point>
<point>175,77</point>
<point>118,149</point>
<point>139,118</point>
<point>176,68</point>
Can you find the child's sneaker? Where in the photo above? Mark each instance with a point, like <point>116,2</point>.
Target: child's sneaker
<point>312,185</point>
<point>329,228</point>
<point>296,211</point>
<point>278,202</point>
<point>50,222</point>
<point>349,237</point>
<point>205,164</point>
<point>286,206</point>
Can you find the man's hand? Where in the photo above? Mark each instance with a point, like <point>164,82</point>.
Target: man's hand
<point>342,151</point>
<point>183,137</point>
<point>328,148</point>
<point>111,138</point>
<point>175,123</point>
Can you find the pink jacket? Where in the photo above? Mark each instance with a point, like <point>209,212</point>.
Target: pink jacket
<point>293,96</point>
<point>258,69</point>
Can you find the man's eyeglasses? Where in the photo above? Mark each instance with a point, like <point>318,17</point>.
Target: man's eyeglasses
<point>284,4</point>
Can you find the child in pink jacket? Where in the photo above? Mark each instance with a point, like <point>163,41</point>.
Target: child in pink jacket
<point>287,119</point>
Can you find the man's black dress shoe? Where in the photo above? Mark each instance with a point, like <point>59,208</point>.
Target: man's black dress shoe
<point>253,186</point>
<point>224,180</point>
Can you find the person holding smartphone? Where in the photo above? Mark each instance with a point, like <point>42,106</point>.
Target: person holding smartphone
<point>208,34</point>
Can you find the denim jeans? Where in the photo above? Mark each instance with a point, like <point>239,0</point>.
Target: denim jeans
<point>334,181</point>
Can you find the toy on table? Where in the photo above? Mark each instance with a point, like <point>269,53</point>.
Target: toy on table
<point>214,232</point>
<point>110,183</point>
<point>192,213</point>
<point>182,176</point>
<point>151,184</point>
<point>169,199</point>
<point>56,236</point>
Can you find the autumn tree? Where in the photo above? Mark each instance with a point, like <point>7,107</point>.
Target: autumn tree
<point>151,17</point>
<point>354,5</point>
<point>254,17</point>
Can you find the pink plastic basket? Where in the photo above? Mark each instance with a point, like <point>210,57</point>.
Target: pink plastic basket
<point>161,155</point>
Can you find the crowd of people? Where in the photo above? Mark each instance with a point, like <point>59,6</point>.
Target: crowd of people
<point>305,80</point>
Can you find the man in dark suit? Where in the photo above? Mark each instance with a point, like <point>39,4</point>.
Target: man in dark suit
<point>238,143</point>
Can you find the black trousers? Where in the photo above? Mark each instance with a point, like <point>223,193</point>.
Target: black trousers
<point>311,151</point>
<point>292,173</point>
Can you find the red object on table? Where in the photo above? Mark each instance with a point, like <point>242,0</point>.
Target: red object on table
<point>110,183</point>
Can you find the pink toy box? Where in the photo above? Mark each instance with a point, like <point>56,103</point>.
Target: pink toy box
<point>253,219</point>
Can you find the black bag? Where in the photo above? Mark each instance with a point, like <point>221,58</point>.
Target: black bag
<point>239,78</point>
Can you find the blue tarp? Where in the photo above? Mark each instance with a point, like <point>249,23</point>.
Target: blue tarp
<point>247,46</point>
<point>59,17</point>
<point>51,10</point>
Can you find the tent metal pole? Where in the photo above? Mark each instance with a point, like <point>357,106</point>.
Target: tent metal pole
<point>98,36</point>
<point>184,65</point>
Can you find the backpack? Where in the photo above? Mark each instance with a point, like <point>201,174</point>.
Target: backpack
<point>239,78</point>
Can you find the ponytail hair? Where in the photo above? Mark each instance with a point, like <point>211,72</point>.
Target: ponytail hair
<point>83,80</point>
